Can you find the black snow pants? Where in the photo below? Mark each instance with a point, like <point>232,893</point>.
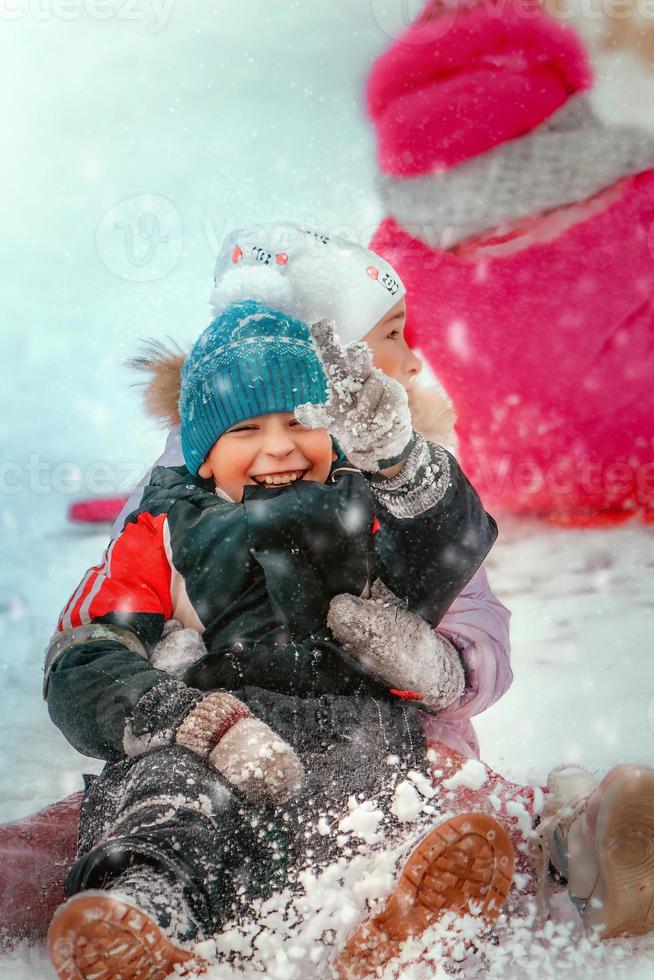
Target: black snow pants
<point>171,810</point>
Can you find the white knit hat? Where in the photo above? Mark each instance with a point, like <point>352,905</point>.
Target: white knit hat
<point>306,274</point>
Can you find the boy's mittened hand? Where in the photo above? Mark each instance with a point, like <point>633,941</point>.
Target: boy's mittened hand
<point>367,412</point>
<point>243,749</point>
<point>178,648</point>
<point>257,761</point>
<point>398,646</point>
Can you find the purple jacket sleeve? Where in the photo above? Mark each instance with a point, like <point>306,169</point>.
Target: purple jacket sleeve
<point>478,625</point>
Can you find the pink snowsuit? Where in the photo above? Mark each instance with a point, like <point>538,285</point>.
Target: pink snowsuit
<point>521,226</point>
<point>547,353</point>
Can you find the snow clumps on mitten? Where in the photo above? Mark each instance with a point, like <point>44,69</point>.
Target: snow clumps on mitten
<point>178,648</point>
<point>243,749</point>
<point>367,412</point>
<point>256,760</point>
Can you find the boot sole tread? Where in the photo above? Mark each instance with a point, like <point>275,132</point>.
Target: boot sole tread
<point>95,936</point>
<point>465,865</point>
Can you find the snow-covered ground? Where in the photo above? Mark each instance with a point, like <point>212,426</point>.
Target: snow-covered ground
<point>133,143</point>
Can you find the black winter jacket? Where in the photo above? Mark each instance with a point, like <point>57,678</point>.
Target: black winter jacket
<point>256,579</point>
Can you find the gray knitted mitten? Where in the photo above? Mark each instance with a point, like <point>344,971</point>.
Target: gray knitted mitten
<point>244,750</point>
<point>398,646</point>
<point>367,412</point>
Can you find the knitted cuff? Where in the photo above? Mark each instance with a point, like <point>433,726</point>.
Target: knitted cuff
<point>384,464</point>
<point>420,485</point>
<point>208,721</point>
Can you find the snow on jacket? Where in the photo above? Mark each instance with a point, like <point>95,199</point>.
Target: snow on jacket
<point>256,579</point>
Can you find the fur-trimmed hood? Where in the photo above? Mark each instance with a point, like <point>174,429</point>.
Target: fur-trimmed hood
<point>432,410</point>
<point>161,393</point>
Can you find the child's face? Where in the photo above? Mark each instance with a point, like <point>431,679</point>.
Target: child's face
<point>270,451</point>
<point>390,352</point>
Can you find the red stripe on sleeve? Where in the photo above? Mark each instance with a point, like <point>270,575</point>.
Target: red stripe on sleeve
<point>134,578</point>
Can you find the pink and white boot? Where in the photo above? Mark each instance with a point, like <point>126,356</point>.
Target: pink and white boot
<point>600,837</point>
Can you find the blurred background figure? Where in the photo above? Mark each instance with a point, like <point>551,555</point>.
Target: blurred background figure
<point>521,224</point>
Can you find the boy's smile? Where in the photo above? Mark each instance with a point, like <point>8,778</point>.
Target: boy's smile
<point>270,451</point>
<point>278,479</point>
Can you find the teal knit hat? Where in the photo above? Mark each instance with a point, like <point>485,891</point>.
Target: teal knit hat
<point>249,361</point>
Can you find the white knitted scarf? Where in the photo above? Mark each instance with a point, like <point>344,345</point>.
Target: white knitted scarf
<point>568,159</point>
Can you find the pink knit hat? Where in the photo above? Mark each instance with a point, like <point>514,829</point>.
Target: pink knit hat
<point>461,81</point>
